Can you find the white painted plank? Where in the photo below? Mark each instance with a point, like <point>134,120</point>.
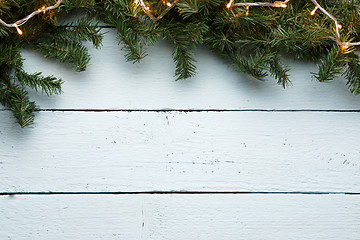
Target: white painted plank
<point>112,83</point>
<point>207,217</point>
<point>199,151</point>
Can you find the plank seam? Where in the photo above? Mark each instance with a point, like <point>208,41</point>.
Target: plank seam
<point>176,193</point>
<point>197,110</point>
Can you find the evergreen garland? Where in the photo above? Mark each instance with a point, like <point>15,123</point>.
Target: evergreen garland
<point>252,39</point>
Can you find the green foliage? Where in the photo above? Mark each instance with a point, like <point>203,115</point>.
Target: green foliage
<point>184,37</point>
<point>65,51</point>
<point>71,5</point>
<point>16,99</point>
<point>279,72</point>
<point>188,8</point>
<point>133,32</point>
<point>255,65</point>
<point>252,42</point>
<point>50,85</point>
<point>10,55</point>
<point>352,74</point>
<point>64,43</point>
<point>331,66</point>
<point>85,29</point>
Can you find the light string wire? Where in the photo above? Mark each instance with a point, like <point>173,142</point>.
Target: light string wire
<point>278,4</point>
<point>20,22</point>
<point>337,27</point>
<point>148,13</point>
<point>259,4</point>
<point>283,4</point>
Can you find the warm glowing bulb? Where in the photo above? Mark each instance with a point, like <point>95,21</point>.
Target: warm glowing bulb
<point>147,8</point>
<point>247,10</point>
<point>314,11</point>
<point>280,4</point>
<point>168,4</point>
<point>136,2</point>
<point>42,9</point>
<point>344,46</point>
<point>339,26</point>
<point>228,5</point>
<point>18,29</point>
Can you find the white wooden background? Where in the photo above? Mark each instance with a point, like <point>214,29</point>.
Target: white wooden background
<point>126,152</point>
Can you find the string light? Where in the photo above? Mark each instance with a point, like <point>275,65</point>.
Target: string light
<point>278,4</point>
<point>18,29</point>
<point>148,13</point>
<point>146,9</point>
<point>20,22</point>
<point>343,45</point>
<point>230,4</point>
<point>43,9</point>
<point>314,11</point>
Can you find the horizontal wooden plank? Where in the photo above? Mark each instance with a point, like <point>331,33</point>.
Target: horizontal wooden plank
<point>196,151</point>
<point>112,83</point>
<point>207,217</point>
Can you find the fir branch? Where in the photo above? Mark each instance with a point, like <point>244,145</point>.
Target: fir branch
<point>16,99</point>
<point>50,85</point>
<point>352,74</point>
<point>220,42</point>
<point>188,8</point>
<point>183,44</point>
<point>306,42</point>
<point>133,32</point>
<point>85,29</point>
<point>3,32</point>
<point>209,6</point>
<point>279,72</point>
<point>67,52</point>
<point>10,55</point>
<point>255,65</point>
<point>70,5</point>
<point>330,67</point>
<point>132,43</point>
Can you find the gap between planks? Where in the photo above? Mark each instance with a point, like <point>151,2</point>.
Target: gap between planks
<point>178,193</point>
<point>195,110</point>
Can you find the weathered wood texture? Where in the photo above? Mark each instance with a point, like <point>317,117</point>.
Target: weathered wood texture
<point>111,83</point>
<point>210,151</point>
<point>229,151</point>
<point>203,217</point>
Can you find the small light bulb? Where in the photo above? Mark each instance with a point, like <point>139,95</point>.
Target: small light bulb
<point>18,29</point>
<point>314,11</point>
<point>339,26</point>
<point>136,2</point>
<point>280,4</point>
<point>344,46</point>
<point>168,4</point>
<point>228,5</point>
<point>42,9</point>
<point>247,10</point>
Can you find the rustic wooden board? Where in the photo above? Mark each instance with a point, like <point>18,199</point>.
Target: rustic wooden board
<point>208,217</point>
<point>253,151</point>
<point>182,151</point>
<point>112,83</point>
